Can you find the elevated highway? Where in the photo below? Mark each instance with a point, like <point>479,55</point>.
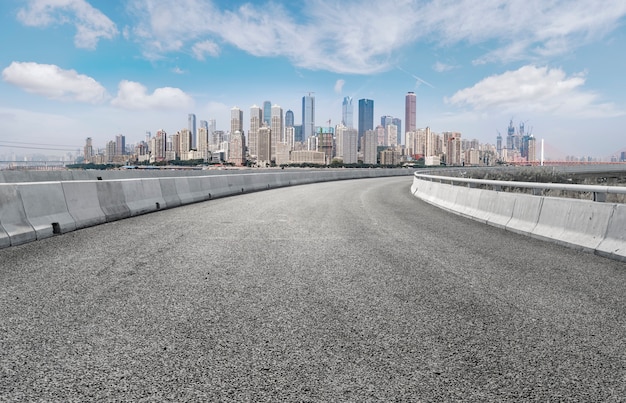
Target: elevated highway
<point>337,291</point>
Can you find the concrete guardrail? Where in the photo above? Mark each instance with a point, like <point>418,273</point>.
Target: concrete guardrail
<point>582,224</point>
<point>35,210</point>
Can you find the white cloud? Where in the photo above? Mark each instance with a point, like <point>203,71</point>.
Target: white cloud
<point>339,86</point>
<point>440,67</point>
<point>133,95</point>
<point>534,89</point>
<point>91,24</point>
<point>53,82</point>
<point>364,37</point>
<point>202,49</point>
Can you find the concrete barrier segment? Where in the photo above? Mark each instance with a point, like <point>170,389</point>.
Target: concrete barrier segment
<point>499,207</point>
<point>614,243</point>
<point>112,200</point>
<point>82,202</point>
<point>13,218</point>
<point>525,214</point>
<point>46,208</point>
<point>183,191</point>
<point>577,223</point>
<point>143,195</point>
<point>169,193</point>
<point>199,188</point>
<point>5,241</point>
<point>467,202</point>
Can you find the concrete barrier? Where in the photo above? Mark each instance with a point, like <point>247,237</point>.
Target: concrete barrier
<point>82,202</point>
<point>572,222</point>
<point>45,206</point>
<point>13,217</point>
<point>581,224</point>
<point>46,209</point>
<point>499,207</point>
<point>614,243</point>
<point>143,195</point>
<point>525,214</point>
<point>5,241</point>
<point>467,202</point>
<point>190,190</point>
<point>169,193</point>
<point>112,200</point>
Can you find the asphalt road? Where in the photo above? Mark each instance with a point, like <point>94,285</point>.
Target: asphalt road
<point>343,291</point>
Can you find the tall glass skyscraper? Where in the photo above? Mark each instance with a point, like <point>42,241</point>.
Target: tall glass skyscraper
<point>308,116</point>
<point>366,117</point>
<point>347,111</point>
<point>191,125</point>
<point>267,112</point>
<point>289,120</point>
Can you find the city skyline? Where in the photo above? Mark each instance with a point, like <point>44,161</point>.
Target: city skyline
<point>100,69</point>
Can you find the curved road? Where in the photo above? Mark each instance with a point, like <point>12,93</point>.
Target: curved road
<point>342,291</point>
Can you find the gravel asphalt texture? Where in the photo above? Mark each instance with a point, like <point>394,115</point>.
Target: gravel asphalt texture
<point>344,291</point>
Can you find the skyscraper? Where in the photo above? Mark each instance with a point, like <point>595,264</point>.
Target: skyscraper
<point>267,112</point>
<point>120,144</point>
<point>289,120</point>
<point>308,116</point>
<point>256,122</point>
<point>410,112</point>
<point>370,147</point>
<point>88,149</point>
<point>191,125</point>
<point>398,123</point>
<point>366,117</point>
<point>277,128</point>
<point>347,110</point>
<point>236,120</point>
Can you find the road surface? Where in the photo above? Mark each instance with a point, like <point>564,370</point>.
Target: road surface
<point>342,291</point>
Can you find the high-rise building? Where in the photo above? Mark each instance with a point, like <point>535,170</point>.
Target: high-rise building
<point>308,116</point>
<point>160,141</point>
<point>370,147</point>
<point>347,111</point>
<point>366,117</point>
<point>191,126</point>
<point>256,122</point>
<point>452,142</point>
<point>184,141</point>
<point>236,120</point>
<point>237,148</point>
<point>88,150</point>
<point>203,141</point>
<point>298,135</point>
<point>110,151</point>
<point>120,144</point>
<point>347,138</point>
<point>398,123</point>
<point>264,147</point>
<point>289,119</point>
<point>277,128</point>
<point>391,132</point>
<point>386,120</point>
<point>267,112</point>
<point>410,112</point>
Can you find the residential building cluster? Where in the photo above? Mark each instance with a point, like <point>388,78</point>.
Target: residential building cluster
<point>273,138</point>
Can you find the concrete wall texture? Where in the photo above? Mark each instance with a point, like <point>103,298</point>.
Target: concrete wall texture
<point>46,204</point>
<point>595,227</point>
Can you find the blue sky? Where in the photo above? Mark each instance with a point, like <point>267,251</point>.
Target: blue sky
<point>73,69</point>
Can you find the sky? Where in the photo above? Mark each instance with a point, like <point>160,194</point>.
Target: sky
<point>72,69</point>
